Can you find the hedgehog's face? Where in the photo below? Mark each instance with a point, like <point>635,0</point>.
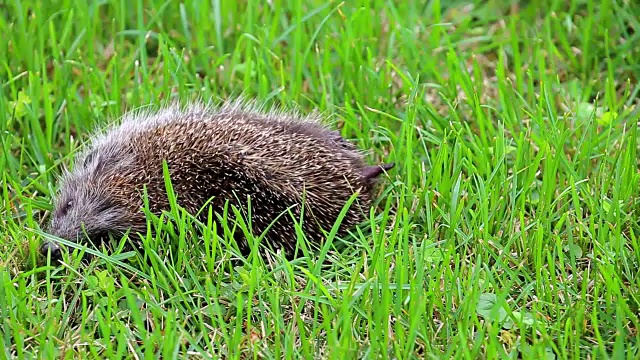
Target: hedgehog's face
<point>81,210</point>
<point>88,204</point>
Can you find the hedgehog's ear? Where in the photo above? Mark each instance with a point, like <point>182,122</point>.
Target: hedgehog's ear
<point>95,160</point>
<point>100,161</point>
<point>88,158</point>
<point>370,173</point>
<point>91,157</point>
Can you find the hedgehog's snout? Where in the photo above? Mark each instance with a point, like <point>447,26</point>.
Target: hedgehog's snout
<point>49,247</point>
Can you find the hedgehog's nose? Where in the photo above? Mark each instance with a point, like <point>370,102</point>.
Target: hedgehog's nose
<point>54,249</point>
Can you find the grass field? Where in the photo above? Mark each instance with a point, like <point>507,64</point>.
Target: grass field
<point>508,228</point>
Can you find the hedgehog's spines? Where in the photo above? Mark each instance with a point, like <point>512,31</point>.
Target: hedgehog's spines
<point>214,151</point>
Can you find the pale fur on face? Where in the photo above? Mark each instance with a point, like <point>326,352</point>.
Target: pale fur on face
<point>83,204</point>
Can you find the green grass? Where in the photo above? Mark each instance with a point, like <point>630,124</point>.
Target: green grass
<point>508,228</point>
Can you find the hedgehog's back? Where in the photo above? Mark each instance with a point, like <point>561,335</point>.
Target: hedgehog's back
<point>278,159</point>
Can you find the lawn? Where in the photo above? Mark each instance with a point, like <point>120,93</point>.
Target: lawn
<point>507,229</point>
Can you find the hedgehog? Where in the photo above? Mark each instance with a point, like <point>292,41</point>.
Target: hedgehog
<point>282,163</point>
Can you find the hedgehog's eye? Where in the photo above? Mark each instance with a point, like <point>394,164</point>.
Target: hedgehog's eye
<point>65,207</point>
